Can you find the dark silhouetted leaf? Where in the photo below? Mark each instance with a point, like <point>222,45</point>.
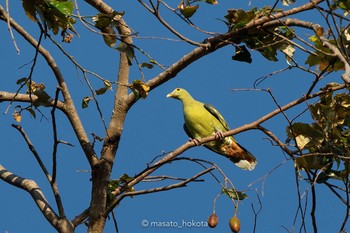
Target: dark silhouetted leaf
<point>242,54</point>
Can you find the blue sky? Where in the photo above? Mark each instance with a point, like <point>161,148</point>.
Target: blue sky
<point>154,126</point>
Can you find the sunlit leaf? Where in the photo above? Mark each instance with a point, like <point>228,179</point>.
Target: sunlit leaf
<point>65,7</point>
<point>287,2</point>
<point>17,116</point>
<point>288,50</point>
<point>324,59</point>
<point>188,11</point>
<point>141,88</point>
<point>54,14</point>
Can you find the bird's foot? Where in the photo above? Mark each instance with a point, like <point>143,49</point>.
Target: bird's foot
<point>219,135</point>
<point>196,141</point>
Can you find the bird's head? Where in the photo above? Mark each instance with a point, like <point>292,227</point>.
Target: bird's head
<point>178,93</point>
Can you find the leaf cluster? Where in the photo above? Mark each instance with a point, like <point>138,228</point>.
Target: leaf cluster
<point>106,24</point>
<point>265,41</point>
<point>324,57</point>
<point>55,14</point>
<point>326,140</point>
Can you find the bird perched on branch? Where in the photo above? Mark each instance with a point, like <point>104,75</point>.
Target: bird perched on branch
<point>202,120</point>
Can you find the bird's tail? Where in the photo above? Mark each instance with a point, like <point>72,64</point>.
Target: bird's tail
<point>239,155</point>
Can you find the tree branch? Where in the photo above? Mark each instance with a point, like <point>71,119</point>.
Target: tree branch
<point>52,182</point>
<point>26,98</point>
<point>169,187</point>
<point>34,190</point>
<point>68,107</point>
<point>159,189</point>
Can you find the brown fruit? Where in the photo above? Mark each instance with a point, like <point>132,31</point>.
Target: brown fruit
<point>235,224</point>
<point>213,220</point>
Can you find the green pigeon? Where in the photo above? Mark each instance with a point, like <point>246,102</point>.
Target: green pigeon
<point>202,120</point>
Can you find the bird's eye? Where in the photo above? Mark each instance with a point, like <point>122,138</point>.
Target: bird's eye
<point>177,89</point>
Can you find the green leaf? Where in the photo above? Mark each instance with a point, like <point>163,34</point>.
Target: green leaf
<point>234,194</point>
<point>214,2</point>
<point>102,21</point>
<point>101,91</point>
<point>109,36</point>
<point>147,65</point>
<point>309,162</point>
<point>242,54</point>
<point>123,47</point>
<point>239,17</point>
<point>31,111</point>
<point>65,7</point>
<point>85,102</point>
<point>113,185</point>
<point>322,59</point>
<point>43,98</point>
<point>21,80</point>
<point>125,178</point>
<point>29,8</point>
<point>188,11</point>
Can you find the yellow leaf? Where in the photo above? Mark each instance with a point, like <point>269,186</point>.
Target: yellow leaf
<point>188,11</point>
<point>141,87</point>
<point>17,116</point>
<point>302,141</point>
<point>319,31</point>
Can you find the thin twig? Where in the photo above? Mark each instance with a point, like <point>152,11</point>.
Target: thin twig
<point>10,28</point>
<point>256,212</point>
<point>169,187</point>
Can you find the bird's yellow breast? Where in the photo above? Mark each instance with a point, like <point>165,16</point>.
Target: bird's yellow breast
<point>200,122</point>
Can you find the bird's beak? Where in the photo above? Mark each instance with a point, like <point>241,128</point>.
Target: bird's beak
<point>170,95</point>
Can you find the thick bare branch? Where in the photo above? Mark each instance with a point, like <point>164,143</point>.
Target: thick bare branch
<point>30,186</point>
<point>26,98</point>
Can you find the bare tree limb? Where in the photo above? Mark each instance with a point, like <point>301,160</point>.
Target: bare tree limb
<point>26,98</point>
<point>38,196</point>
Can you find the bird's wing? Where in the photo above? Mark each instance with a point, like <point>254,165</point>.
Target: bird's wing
<point>187,131</point>
<point>217,115</point>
